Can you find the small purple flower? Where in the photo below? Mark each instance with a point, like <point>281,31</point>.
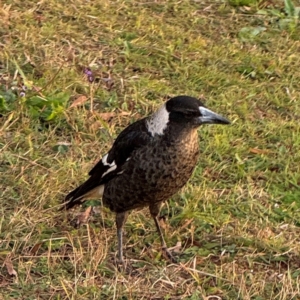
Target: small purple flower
<point>88,72</point>
<point>24,87</point>
<point>22,94</point>
<point>91,78</point>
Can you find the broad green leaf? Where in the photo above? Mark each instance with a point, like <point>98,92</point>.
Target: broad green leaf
<point>3,105</point>
<point>249,33</point>
<point>289,8</point>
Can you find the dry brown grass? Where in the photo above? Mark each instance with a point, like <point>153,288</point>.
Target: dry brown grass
<point>235,225</point>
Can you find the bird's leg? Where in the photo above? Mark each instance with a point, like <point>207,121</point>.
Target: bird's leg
<point>154,211</point>
<point>120,221</point>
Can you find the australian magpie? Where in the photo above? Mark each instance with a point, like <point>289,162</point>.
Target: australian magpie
<point>149,162</point>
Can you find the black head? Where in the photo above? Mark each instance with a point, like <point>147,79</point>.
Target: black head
<point>185,109</point>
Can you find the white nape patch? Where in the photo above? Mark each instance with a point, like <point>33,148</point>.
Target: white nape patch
<point>104,161</point>
<point>109,170</point>
<point>158,122</point>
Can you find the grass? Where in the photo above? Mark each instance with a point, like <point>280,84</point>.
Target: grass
<point>235,224</point>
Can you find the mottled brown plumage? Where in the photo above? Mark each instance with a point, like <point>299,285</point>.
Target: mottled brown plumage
<point>149,162</point>
<point>154,173</point>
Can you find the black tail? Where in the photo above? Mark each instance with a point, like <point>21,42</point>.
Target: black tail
<point>71,200</point>
<point>85,190</point>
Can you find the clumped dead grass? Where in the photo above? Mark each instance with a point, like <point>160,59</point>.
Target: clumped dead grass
<point>235,226</point>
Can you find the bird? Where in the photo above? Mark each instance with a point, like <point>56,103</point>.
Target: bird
<point>149,161</point>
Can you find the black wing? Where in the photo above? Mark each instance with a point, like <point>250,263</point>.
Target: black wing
<point>111,165</point>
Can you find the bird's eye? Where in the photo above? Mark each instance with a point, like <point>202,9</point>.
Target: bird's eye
<point>190,113</point>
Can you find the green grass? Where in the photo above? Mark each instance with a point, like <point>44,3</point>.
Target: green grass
<point>238,217</point>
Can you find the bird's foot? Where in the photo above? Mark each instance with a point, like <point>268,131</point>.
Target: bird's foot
<point>126,267</point>
<point>120,263</point>
<point>167,253</point>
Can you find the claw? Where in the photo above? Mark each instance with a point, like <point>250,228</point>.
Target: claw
<point>169,255</point>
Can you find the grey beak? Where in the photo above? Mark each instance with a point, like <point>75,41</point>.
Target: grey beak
<point>210,117</point>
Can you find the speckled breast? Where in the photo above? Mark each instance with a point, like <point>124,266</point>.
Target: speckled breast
<point>153,174</point>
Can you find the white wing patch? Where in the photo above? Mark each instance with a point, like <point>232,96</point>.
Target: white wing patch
<point>112,168</point>
<point>104,161</point>
<point>158,122</point>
